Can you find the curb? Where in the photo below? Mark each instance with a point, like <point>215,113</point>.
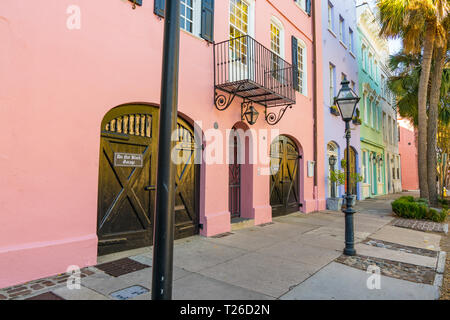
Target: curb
<point>440,268</point>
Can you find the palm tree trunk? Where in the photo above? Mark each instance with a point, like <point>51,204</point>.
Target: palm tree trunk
<point>436,80</point>
<point>422,110</point>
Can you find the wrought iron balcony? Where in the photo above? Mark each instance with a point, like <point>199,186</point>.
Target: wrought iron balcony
<point>243,67</point>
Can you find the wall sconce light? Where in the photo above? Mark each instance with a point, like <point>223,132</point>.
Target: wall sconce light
<point>249,113</point>
<point>332,160</point>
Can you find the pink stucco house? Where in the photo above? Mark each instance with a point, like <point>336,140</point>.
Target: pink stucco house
<point>80,89</point>
<point>407,146</point>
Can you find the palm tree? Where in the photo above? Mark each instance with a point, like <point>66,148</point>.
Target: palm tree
<point>418,23</point>
<point>433,112</point>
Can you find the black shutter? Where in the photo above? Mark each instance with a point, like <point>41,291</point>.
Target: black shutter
<point>159,8</point>
<point>308,7</point>
<point>295,63</point>
<point>207,31</point>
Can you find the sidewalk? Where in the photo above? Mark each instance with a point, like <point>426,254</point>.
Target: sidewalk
<point>296,257</point>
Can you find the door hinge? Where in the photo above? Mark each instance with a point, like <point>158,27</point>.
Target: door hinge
<point>300,205</point>
<point>300,157</point>
<point>200,225</point>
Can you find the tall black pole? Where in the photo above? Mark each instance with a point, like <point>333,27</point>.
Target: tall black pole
<point>349,233</point>
<point>165,188</point>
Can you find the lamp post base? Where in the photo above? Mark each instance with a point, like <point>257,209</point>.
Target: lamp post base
<point>350,252</point>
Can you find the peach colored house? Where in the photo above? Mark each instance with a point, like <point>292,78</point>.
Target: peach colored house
<point>79,95</point>
<point>407,146</point>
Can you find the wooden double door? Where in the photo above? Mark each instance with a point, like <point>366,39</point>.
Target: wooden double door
<point>284,179</point>
<point>127,179</point>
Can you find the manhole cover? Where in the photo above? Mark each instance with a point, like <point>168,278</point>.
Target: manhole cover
<point>129,293</point>
<point>120,267</point>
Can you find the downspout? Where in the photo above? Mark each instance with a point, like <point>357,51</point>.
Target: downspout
<point>314,101</point>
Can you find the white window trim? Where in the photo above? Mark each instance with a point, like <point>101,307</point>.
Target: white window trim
<point>251,17</point>
<point>274,20</point>
<point>196,19</point>
<point>302,44</point>
<point>297,2</point>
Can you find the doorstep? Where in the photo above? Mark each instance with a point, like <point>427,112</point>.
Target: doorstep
<point>241,223</point>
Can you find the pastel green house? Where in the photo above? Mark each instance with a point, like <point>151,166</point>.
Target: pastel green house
<point>372,54</point>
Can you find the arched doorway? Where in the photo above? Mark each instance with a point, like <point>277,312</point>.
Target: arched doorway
<point>353,186</point>
<point>127,179</point>
<point>234,180</point>
<point>284,179</point>
<point>333,166</point>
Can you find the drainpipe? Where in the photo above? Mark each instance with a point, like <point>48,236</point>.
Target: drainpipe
<point>314,99</point>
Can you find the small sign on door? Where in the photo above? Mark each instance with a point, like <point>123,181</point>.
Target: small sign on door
<point>128,160</point>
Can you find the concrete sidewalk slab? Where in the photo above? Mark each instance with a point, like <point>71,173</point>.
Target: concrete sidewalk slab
<point>265,274</point>
<point>340,282</point>
<point>199,287</point>
<point>337,233</point>
<point>295,250</point>
<point>200,254</point>
<point>408,237</point>
<point>79,294</point>
<point>383,253</point>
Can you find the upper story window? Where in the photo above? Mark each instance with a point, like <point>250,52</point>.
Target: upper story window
<point>239,11</point>
<point>365,108</point>
<point>275,38</point>
<point>332,79</point>
<point>187,15</point>
<point>301,65</point>
<point>301,3</point>
<point>375,71</point>
<point>277,47</point>
<point>330,16</point>
<point>239,17</point>
<point>341,29</point>
<point>350,40</point>
<point>364,57</point>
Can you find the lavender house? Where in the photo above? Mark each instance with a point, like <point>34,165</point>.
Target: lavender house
<point>339,61</point>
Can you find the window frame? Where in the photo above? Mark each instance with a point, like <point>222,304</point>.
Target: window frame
<point>196,17</point>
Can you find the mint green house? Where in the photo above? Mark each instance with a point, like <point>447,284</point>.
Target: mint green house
<point>372,55</point>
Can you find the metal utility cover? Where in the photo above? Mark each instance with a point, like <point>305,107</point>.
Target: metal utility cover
<point>129,293</point>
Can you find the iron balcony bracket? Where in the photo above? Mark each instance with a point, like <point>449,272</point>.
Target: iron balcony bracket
<point>272,118</point>
<point>221,101</point>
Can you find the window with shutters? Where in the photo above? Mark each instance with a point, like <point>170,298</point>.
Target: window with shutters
<point>196,16</point>
<point>301,67</point>
<point>189,16</point>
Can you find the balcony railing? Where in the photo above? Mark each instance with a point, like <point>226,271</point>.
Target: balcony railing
<point>244,67</point>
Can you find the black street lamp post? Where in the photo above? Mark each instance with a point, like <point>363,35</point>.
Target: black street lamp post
<point>347,100</point>
<point>165,188</point>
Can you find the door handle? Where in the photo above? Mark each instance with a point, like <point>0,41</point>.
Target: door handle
<point>149,188</point>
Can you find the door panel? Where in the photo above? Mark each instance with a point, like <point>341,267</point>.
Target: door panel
<point>234,178</point>
<point>126,197</point>
<point>284,184</point>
